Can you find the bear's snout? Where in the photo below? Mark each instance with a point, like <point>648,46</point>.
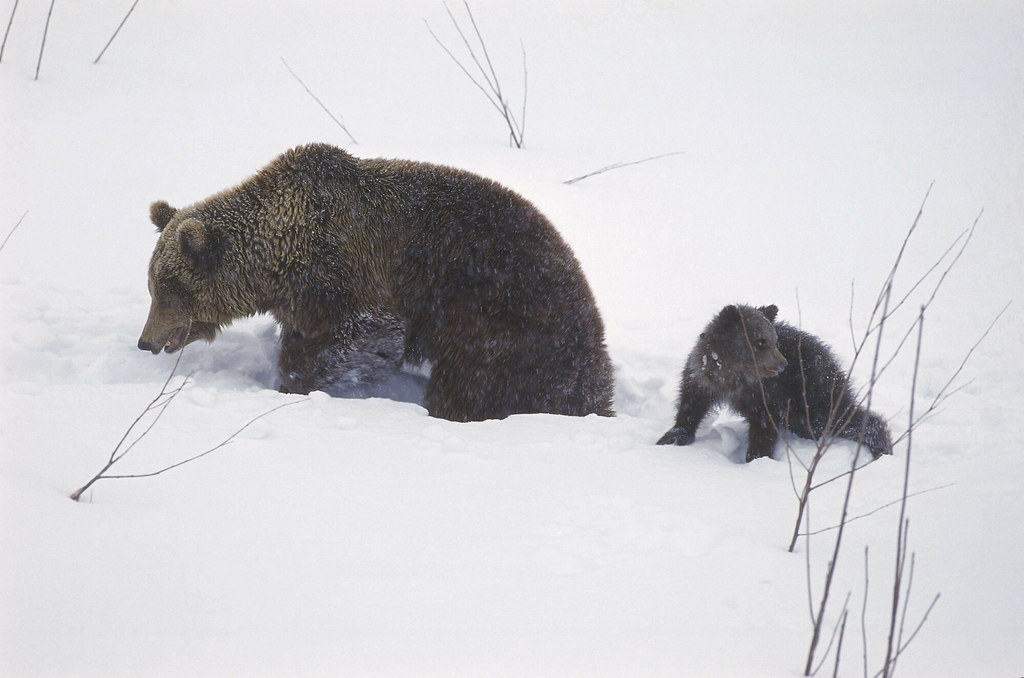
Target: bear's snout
<point>146,346</point>
<point>778,364</point>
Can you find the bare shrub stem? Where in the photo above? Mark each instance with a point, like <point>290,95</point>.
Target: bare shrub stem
<point>618,165</point>
<point>159,405</point>
<point>9,234</point>
<point>118,30</point>
<point>42,45</point>
<point>10,21</point>
<point>336,120</point>
<point>491,85</point>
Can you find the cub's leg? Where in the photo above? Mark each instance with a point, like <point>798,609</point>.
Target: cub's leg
<point>694,404</point>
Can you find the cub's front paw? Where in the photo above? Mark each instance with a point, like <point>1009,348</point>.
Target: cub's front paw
<point>676,436</point>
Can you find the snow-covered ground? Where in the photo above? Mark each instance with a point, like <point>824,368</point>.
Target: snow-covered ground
<point>345,537</point>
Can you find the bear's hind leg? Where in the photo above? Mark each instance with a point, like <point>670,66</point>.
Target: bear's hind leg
<point>875,430</point>
<point>363,358</point>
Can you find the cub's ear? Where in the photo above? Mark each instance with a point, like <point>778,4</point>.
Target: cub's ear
<point>160,213</point>
<point>730,315</point>
<point>196,243</point>
<point>769,312</point>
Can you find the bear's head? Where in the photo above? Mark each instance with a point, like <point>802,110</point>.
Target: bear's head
<point>745,340</point>
<point>181,281</point>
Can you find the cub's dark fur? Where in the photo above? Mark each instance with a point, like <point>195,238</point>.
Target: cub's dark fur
<point>762,369</point>
<point>367,264</point>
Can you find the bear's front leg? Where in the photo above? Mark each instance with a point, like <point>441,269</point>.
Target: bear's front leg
<point>694,404</point>
<point>763,436</point>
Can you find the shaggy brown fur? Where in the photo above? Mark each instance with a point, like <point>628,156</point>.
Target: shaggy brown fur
<point>354,258</point>
<point>775,376</point>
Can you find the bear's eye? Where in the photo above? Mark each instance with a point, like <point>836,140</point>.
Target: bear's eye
<point>760,343</point>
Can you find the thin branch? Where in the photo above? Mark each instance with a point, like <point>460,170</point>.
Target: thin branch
<point>102,51</point>
<point>944,392</point>
<point>839,647</point>
<point>522,115</point>
<point>917,628</point>
<point>153,404</point>
<point>458,63</point>
<point>4,243</point>
<point>830,572</point>
<point>492,90</point>
<point>337,121</point>
<point>8,31</point>
<point>166,397</point>
<point>840,629</point>
<point>864,614</point>
<point>902,531</point>
<point>216,447</point>
<point>617,165</point>
<point>874,511</point>
<point>42,45</point>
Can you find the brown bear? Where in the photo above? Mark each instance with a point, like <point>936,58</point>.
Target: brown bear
<point>776,377</point>
<point>367,264</point>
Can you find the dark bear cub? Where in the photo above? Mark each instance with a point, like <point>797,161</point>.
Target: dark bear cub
<point>776,377</point>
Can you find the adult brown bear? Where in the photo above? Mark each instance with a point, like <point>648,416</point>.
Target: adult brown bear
<point>366,264</point>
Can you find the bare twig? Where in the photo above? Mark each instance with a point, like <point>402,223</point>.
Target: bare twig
<point>917,629</point>
<point>839,647</point>
<point>102,51</point>
<point>8,237</point>
<point>155,404</point>
<point>336,120</point>
<point>839,629</point>
<point>42,45</point>
<point>864,615</point>
<point>8,31</point>
<point>830,570</point>
<point>491,86</point>
<point>216,447</point>
<point>894,502</point>
<point>617,165</point>
<point>901,533</point>
<point>945,392</point>
<point>159,404</point>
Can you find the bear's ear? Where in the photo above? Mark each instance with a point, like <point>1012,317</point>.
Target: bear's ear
<point>769,312</point>
<point>160,213</point>
<point>194,240</point>
<point>730,315</point>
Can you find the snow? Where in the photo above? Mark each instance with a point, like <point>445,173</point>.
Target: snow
<point>362,537</point>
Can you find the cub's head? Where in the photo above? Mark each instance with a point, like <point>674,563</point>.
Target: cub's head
<point>181,281</point>
<point>746,341</point>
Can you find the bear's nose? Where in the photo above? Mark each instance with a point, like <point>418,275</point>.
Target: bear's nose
<point>146,346</point>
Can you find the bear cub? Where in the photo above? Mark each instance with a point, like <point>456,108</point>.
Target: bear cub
<point>762,368</point>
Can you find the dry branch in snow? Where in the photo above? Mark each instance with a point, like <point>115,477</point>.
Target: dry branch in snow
<point>42,45</point>
<point>491,86</point>
<point>618,165</point>
<point>336,120</point>
<point>8,237</point>
<point>10,21</point>
<point>118,30</point>
<point>159,405</point>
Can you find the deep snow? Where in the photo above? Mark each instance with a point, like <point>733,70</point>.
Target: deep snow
<point>348,537</point>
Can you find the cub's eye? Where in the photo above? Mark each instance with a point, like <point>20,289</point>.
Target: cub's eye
<point>760,343</point>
